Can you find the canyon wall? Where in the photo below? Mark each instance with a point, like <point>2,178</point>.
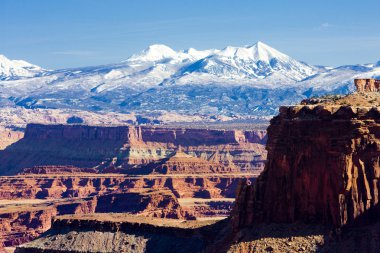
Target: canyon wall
<point>20,223</point>
<point>367,85</point>
<point>323,166</point>
<point>128,149</point>
<point>29,201</point>
<point>76,169</point>
<point>68,186</point>
<point>8,136</point>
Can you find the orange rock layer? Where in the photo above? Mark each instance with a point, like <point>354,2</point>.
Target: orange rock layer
<point>129,149</point>
<point>323,166</point>
<point>22,224</point>
<point>367,85</point>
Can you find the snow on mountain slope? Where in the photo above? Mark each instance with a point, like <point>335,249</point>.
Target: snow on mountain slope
<point>256,64</point>
<point>13,69</point>
<point>163,54</point>
<point>339,79</point>
<point>154,53</point>
<point>235,82</point>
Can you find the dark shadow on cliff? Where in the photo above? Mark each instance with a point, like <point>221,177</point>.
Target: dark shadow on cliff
<point>36,149</point>
<point>271,237</point>
<point>90,237</point>
<point>361,236</point>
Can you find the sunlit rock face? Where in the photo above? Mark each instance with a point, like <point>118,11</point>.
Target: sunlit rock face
<point>323,166</point>
<point>128,149</point>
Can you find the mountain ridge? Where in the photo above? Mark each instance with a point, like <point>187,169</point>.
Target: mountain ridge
<point>234,82</point>
<point>10,69</point>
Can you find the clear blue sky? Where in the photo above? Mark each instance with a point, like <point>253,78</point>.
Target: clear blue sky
<point>71,33</point>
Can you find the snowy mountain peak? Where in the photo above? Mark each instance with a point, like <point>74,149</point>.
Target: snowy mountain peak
<point>234,82</point>
<point>195,54</point>
<point>258,63</point>
<point>263,52</point>
<point>153,53</point>
<point>257,52</point>
<point>15,69</point>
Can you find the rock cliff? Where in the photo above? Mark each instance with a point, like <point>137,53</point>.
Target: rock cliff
<point>22,222</point>
<point>128,149</point>
<point>7,137</point>
<point>80,186</point>
<point>323,166</point>
<point>29,201</point>
<point>367,85</point>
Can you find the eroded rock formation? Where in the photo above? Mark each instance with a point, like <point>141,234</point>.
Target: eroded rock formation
<point>128,149</point>
<point>323,166</point>
<point>29,201</point>
<point>66,170</point>
<point>182,163</point>
<point>8,136</point>
<point>367,85</point>
<point>20,223</point>
<point>69,186</point>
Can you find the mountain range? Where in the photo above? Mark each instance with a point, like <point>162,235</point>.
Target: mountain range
<point>231,83</point>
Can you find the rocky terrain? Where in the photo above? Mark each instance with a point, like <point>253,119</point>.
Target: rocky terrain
<point>8,136</point>
<point>318,192</point>
<point>323,168</point>
<point>331,176</point>
<point>167,173</point>
<point>127,149</point>
<point>29,201</point>
<point>121,233</point>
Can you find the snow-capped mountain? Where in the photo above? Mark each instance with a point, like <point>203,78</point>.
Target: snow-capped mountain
<point>161,53</point>
<point>231,82</point>
<point>256,64</point>
<point>15,69</point>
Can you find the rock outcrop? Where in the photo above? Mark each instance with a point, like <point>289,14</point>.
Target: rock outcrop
<point>80,186</point>
<point>66,169</point>
<point>23,223</point>
<point>57,169</point>
<point>127,149</point>
<point>8,136</point>
<point>20,223</point>
<point>29,201</point>
<point>367,85</point>
<point>323,166</point>
<point>182,163</point>
<point>120,234</point>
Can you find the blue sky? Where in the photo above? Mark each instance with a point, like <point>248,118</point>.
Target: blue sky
<point>71,33</point>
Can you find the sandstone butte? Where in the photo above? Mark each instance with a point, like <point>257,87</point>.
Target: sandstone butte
<point>156,172</point>
<point>323,167</point>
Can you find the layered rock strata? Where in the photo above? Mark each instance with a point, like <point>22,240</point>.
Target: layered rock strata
<point>28,201</point>
<point>182,163</point>
<point>80,186</point>
<point>22,222</point>
<point>128,149</point>
<point>323,166</point>
<point>367,85</point>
